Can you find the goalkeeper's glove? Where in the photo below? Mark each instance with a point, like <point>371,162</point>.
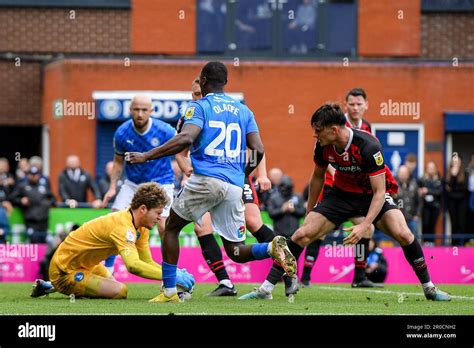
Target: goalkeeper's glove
<point>185,280</point>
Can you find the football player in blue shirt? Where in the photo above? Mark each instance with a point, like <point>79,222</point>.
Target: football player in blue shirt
<point>253,219</point>
<point>218,129</point>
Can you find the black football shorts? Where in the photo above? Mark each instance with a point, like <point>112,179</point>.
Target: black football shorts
<point>339,206</point>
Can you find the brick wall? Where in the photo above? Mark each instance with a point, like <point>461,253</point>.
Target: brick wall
<point>20,104</point>
<point>52,30</point>
<point>164,27</point>
<point>447,35</point>
<point>287,136</point>
<point>389,28</point>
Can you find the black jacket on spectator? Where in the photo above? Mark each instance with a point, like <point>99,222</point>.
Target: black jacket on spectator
<point>104,185</point>
<point>435,189</point>
<point>73,184</point>
<point>457,194</point>
<point>431,202</point>
<point>40,200</point>
<point>408,197</point>
<point>285,223</point>
<point>5,188</point>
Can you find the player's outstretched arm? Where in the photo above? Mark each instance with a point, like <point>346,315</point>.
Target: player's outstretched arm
<point>138,267</point>
<point>184,162</point>
<point>144,253</point>
<point>255,144</point>
<point>175,145</point>
<point>377,183</point>
<point>315,186</point>
<point>261,178</point>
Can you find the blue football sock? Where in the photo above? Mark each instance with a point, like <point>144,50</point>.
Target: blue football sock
<point>169,275</point>
<point>109,262</point>
<point>260,251</point>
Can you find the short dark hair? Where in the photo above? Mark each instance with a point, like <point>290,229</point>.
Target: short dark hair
<point>356,92</point>
<point>151,195</point>
<point>328,114</point>
<point>215,73</point>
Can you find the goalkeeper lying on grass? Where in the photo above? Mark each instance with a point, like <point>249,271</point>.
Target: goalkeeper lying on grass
<point>76,267</point>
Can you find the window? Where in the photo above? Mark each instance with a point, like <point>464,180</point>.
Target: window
<point>278,28</point>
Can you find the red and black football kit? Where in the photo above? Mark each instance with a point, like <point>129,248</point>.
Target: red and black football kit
<point>362,124</point>
<point>249,194</point>
<point>328,181</point>
<point>351,193</point>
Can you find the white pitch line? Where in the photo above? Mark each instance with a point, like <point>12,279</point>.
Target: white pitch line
<point>217,313</point>
<point>387,292</point>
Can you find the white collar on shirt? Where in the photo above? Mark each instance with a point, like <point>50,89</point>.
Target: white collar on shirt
<point>150,123</point>
<point>352,125</point>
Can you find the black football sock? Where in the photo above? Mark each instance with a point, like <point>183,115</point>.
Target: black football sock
<point>312,253</point>
<point>361,251</point>
<point>275,274</point>
<point>295,249</point>
<point>264,234</point>
<point>213,256</point>
<point>414,255</point>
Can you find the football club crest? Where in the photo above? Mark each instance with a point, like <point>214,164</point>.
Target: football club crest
<point>241,231</point>
<point>378,158</point>
<point>78,276</point>
<point>130,236</point>
<point>189,112</point>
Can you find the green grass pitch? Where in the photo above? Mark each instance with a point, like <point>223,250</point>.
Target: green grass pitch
<point>319,299</point>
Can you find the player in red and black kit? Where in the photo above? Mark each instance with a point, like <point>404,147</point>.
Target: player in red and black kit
<point>356,105</point>
<point>361,190</point>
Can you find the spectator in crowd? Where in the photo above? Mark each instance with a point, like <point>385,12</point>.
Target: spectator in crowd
<point>22,169</point>
<point>253,25</point>
<point>274,175</point>
<point>470,170</point>
<point>53,244</point>
<point>376,263</point>
<point>4,225</point>
<point>7,183</point>
<point>211,25</point>
<point>410,163</point>
<point>408,199</point>
<point>431,188</point>
<point>104,183</point>
<point>74,182</point>
<point>37,161</point>
<point>34,199</point>
<point>456,196</point>
<point>302,32</point>
<point>286,208</point>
